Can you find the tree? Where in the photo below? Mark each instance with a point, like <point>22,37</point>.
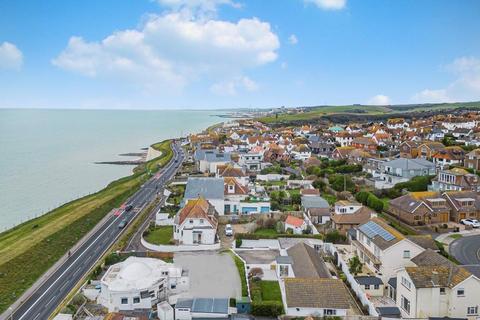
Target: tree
<point>296,198</point>
<point>319,184</point>
<point>341,182</point>
<point>354,265</point>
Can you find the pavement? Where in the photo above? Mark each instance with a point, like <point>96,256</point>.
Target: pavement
<point>48,292</point>
<point>211,273</point>
<point>466,249</point>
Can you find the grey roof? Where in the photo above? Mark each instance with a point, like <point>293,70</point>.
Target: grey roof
<point>314,202</point>
<point>307,263</point>
<point>473,269</point>
<point>284,260</point>
<point>388,311</point>
<point>211,155</point>
<point>209,188</point>
<point>410,164</point>
<point>393,282</point>
<point>204,305</point>
<point>368,280</point>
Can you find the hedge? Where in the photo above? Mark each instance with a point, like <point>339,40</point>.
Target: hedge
<point>253,236</point>
<point>370,200</point>
<point>267,308</point>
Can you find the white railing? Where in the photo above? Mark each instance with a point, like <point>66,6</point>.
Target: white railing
<point>180,248</point>
<point>356,288</point>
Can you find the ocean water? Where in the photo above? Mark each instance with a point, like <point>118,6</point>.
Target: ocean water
<point>47,157</point>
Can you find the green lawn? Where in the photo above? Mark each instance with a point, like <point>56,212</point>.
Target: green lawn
<point>331,199</point>
<point>160,235</point>
<point>31,248</point>
<point>266,232</point>
<point>270,291</point>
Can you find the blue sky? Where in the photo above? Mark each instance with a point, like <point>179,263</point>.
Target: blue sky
<point>237,53</point>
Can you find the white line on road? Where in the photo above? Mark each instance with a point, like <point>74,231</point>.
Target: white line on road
<point>66,270</point>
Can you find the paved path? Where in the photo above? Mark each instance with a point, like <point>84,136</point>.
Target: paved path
<point>50,291</point>
<point>466,250</point>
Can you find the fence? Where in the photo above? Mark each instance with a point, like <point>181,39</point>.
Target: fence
<point>361,295</point>
<point>179,248</point>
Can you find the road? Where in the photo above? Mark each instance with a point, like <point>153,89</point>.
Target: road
<point>466,250</point>
<point>45,299</point>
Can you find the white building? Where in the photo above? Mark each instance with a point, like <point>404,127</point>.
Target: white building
<point>202,308</point>
<point>140,283</point>
<point>436,287</point>
<point>383,249</point>
<point>251,161</point>
<point>196,223</point>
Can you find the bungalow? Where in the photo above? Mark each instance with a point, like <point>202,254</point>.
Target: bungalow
<point>402,170</point>
<point>297,225</point>
<point>316,297</point>
<point>196,223</point>
<point>316,208</point>
<point>348,215</point>
<point>371,285</point>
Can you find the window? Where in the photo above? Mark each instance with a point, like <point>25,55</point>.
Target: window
<point>442,291</point>
<point>472,311</point>
<point>406,254</point>
<point>191,221</point>
<point>405,304</point>
<point>136,300</point>
<point>124,301</point>
<point>201,220</point>
<point>376,287</point>
<point>406,283</point>
<point>329,312</point>
<point>461,292</point>
<point>367,287</point>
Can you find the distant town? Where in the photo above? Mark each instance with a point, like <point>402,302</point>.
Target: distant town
<point>273,215</point>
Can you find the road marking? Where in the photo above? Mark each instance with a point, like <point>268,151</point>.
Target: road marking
<point>478,254</point>
<point>50,301</point>
<point>68,268</point>
<point>38,314</point>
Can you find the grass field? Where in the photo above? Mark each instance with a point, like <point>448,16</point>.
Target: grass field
<point>266,291</point>
<point>318,112</point>
<point>160,235</point>
<point>31,248</point>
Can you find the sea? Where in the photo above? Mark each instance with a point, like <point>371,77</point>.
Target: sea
<point>48,156</point>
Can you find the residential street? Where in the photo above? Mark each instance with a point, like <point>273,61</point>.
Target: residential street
<point>466,250</point>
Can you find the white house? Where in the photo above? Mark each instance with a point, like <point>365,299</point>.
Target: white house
<point>436,287</point>
<point>402,170</point>
<point>295,224</point>
<point>383,249</point>
<point>251,161</point>
<point>208,160</point>
<point>140,283</point>
<point>301,152</point>
<point>196,223</point>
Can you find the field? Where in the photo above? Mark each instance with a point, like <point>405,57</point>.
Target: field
<point>321,111</point>
<point>31,248</point>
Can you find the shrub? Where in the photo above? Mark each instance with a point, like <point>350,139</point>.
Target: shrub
<point>267,308</point>
<point>354,265</point>
<point>238,243</point>
<point>374,203</point>
<point>334,237</point>
<point>319,184</point>
<point>341,182</point>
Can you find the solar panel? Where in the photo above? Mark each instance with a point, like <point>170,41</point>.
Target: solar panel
<point>371,229</point>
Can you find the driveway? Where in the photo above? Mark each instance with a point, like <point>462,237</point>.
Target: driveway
<point>212,274</point>
<point>466,249</point>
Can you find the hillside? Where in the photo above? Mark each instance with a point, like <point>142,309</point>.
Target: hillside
<point>309,114</point>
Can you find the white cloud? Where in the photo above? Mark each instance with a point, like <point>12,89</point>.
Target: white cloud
<point>464,87</point>
<point>284,65</point>
<point>197,8</point>
<point>293,39</point>
<point>434,96</point>
<point>173,50</point>
<point>231,87</point>
<point>10,56</point>
<point>329,4</point>
<point>379,100</point>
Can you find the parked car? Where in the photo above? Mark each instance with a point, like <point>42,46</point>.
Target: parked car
<point>228,230</point>
<point>471,222</point>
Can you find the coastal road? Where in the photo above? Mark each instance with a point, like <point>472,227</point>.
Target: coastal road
<point>466,250</point>
<point>45,299</point>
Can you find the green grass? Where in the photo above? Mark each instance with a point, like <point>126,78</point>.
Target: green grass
<point>270,291</point>
<point>241,272</point>
<point>318,112</point>
<point>160,235</point>
<point>264,232</point>
<point>31,248</point>
<point>386,203</point>
<point>331,199</point>
<point>455,236</point>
